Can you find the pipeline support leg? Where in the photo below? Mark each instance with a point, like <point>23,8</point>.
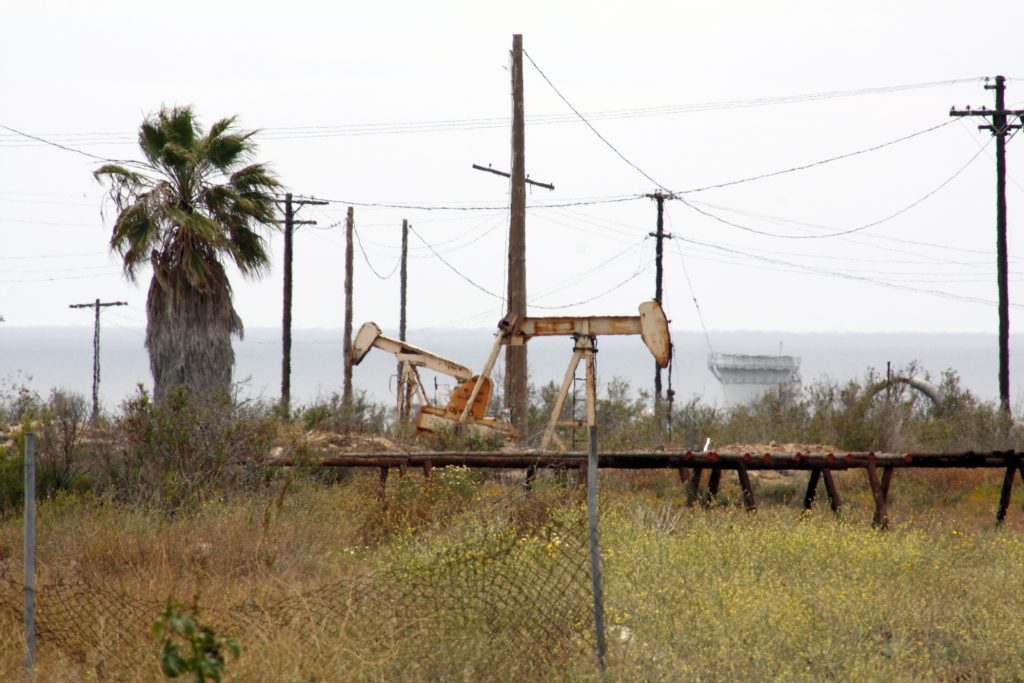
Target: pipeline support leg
<point>748,491</point>
<point>830,488</point>
<point>694,488</point>
<point>812,489</point>
<point>1012,465</point>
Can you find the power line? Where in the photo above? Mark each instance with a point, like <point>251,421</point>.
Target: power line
<point>813,164</point>
<point>367,258</point>
<point>591,126</point>
<point>854,240</point>
<point>443,125</point>
<point>850,231</point>
<point>70,149</point>
<point>693,294</point>
<point>845,276</point>
<point>50,256</point>
<point>483,289</point>
<point>453,268</point>
<point>484,207</point>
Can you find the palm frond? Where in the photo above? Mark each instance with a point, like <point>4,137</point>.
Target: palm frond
<point>219,127</point>
<point>180,126</point>
<point>152,138</point>
<point>184,219</point>
<point>134,236</point>
<point>125,184</point>
<point>225,151</point>
<point>249,252</point>
<point>254,179</point>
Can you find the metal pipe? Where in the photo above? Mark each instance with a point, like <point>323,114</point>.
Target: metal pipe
<point>671,460</point>
<point>30,553</point>
<point>595,547</point>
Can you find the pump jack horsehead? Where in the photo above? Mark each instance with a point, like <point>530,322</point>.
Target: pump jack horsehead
<point>651,325</point>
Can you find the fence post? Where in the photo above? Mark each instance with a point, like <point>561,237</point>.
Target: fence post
<point>595,549</point>
<point>30,553</point>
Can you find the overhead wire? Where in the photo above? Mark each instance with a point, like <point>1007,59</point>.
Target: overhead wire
<point>813,164</point>
<point>485,207</point>
<point>689,285</point>
<point>843,275</point>
<point>71,149</point>
<point>839,233</point>
<point>591,126</point>
<point>858,239</point>
<point>443,125</point>
<point>366,257</point>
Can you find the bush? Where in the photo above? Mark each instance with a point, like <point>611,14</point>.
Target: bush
<point>362,416</point>
<point>185,448</point>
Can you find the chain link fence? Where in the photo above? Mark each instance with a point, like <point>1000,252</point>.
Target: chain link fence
<point>503,594</point>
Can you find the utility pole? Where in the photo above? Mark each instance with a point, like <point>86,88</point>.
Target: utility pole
<point>516,370</point>
<point>346,392</point>
<point>286,322</point>
<point>96,306</point>
<point>660,236</point>
<point>404,385</point>
<point>999,127</point>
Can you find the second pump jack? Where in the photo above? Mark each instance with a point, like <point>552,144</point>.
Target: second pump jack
<point>431,418</point>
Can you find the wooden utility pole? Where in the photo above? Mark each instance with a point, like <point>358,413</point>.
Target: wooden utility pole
<point>97,305</point>
<point>1000,126</point>
<point>660,236</point>
<point>286,322</point>
<point>516,370</point>
<point>404,382</point>
<point>346,394</point>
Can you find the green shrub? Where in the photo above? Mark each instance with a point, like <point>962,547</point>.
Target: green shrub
<point>189,648</point>
<point>185,448</point>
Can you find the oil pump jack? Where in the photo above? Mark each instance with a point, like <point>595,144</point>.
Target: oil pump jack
<point>650,324</point>
<point>432,418</point>
<point>471,398</point>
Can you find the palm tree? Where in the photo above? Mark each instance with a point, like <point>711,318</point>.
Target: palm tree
<point>194,203</point>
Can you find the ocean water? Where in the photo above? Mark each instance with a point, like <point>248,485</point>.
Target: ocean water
<point>48,357</point>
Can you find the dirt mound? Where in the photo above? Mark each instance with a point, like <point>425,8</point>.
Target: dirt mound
<point>772,447</point>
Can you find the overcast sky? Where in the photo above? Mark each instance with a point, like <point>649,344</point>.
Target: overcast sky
<point>391,103</point>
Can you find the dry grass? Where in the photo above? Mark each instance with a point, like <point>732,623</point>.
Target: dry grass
<point>714,595</point>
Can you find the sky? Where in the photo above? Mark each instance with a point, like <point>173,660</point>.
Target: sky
<point>386,107</point>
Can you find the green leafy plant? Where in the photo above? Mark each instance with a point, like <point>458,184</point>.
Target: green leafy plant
<point>191,649</point>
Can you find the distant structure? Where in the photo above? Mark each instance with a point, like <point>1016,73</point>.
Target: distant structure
<point>745,378</point>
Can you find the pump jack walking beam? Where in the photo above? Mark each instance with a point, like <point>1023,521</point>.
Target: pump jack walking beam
<point>650,324</point>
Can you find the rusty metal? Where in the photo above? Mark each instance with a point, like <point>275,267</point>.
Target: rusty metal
<point>1012,465</point>
<point>639,460</point>
<point>880,519</point>
<point>382,482</point>
<point>714,483</point>
<point>748,491</point>
<point>820,466</point>
<point>565,326</point>
<point>812,488</point>
<point>369,336</point>
<point>693,489</point>
<point>654,332</point>
<point>469,400</point>
<point>485,374</point>
<point>563,391</point>
<point>830,489</point>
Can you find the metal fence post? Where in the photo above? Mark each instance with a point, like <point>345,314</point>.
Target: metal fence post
<point>30,553</point>
<point>595,549</point>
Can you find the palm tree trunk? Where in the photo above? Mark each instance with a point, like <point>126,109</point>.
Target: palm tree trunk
<point>188,335</point>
